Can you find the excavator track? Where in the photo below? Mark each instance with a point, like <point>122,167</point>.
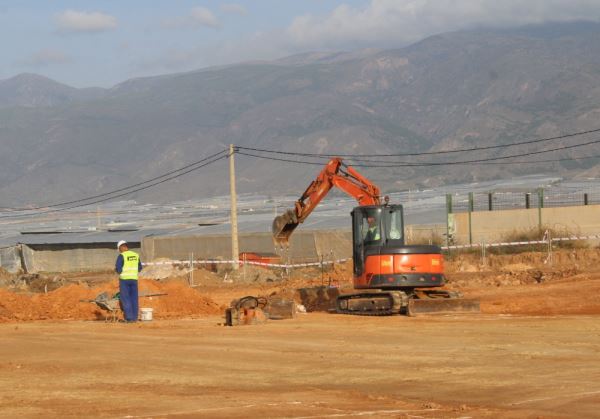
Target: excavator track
<point>417,302</point>
<point>384,303</point>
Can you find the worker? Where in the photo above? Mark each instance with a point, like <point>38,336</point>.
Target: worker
<point>373,231</point>
<point>128,266</point>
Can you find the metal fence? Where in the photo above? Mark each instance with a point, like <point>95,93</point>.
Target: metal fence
<point>539,198</point>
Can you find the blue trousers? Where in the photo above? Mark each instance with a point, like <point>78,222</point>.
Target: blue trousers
<point>129,299</point>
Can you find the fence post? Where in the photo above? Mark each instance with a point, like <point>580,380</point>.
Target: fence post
<point>490,201</point>
<point>585,199</point>
<point>549,247</point>
<point>448,215</point>
<point>322,271</point>
<point>470,222</point>
<point>540,206</point>
<point>244,267</point>
<point>483,252</point>
<point>191,273</point>
<point>527,200</point>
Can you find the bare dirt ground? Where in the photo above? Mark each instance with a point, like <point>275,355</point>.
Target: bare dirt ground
<point>316,366</point>
<point>533,352</point>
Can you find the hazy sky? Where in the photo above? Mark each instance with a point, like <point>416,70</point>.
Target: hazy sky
<point>103,42</point>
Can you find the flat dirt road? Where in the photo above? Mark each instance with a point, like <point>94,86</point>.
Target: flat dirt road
<point>314,366</point>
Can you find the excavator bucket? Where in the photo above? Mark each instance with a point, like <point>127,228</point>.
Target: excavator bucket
<point>442,306</point>
<point>283,227</point>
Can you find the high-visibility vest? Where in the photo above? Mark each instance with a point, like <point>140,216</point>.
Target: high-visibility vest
<point>131,262</point>
<point>374,233</point>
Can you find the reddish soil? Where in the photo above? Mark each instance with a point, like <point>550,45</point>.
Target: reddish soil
<point>529,283</point>
<point>532,353</point>
<point>65,303</point>
<point>525,284</point>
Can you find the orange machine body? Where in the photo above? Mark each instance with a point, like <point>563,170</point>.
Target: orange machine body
<point>402,271</point>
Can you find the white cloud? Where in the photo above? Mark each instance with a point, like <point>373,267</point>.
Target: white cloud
<point>234,9</point>
<point>405,21</point>
<point>198,16</point>
<point>75,21</point>
<point>44,58</point>
<point>204,17</point>
<point>379,24</point>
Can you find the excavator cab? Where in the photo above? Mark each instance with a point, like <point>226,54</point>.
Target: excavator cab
<point>374,227</point>
<point>382,260</point>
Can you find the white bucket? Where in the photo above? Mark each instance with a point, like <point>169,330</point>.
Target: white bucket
<point>146,314</point>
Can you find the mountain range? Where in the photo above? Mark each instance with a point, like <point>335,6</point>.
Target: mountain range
<point>466,89</point>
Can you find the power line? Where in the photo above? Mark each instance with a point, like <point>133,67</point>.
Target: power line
<point>575,134</point>
<point>120,195</point>
<point>60,204</point>
<point>483,160</point>
<point>468,162</point>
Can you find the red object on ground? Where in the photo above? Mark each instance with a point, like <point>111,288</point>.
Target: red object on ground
<point>259,257</point>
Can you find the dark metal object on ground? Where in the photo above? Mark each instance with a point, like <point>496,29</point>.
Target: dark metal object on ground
<point>319,298</point>
<point>442,306</point>
<point>254,310</point>
<point>280,308</point>
<point>246,310</point>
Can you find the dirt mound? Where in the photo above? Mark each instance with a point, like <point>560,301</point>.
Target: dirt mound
<point>503,278</point>
<point>62,303</point>
<point>6,278</point>
<point>180,301</point>
<point>65,302</point>
<point>252,273</point>
<point>570,296</point>
<point>204,276</point>
<point>168,270</point>
<point>584,259</point>
<point>4,274</point>
<point>516,267</point>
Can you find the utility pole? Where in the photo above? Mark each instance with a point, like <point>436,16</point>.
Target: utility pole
<point>234,226</point>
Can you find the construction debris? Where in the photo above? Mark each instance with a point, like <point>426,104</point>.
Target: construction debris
<point>280,308</point>
<point>245,311</point>
<point>319,298</point>
<point>255,310</point>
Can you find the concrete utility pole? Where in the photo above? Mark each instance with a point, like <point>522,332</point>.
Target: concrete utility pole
<point>235,252</point>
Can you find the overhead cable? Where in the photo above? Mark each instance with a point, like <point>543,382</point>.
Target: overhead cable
<point>60,204</point>
<point>427,153</point>
<point>214,160</point>
<point>472,162</point>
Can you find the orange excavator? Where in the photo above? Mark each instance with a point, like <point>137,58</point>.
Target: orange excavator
<point>396,278</point>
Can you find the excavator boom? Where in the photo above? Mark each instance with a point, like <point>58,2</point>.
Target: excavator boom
<point>335,174</point>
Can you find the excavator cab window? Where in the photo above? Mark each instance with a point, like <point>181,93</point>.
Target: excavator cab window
<point>394,224</point>
<point>375,227</point>
<point>371,226</point>
<point>367,232</point>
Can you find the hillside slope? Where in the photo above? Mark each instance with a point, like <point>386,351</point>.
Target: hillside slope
<point>454,90</point>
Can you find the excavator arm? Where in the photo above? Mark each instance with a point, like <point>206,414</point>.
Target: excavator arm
<point>335,174</point>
